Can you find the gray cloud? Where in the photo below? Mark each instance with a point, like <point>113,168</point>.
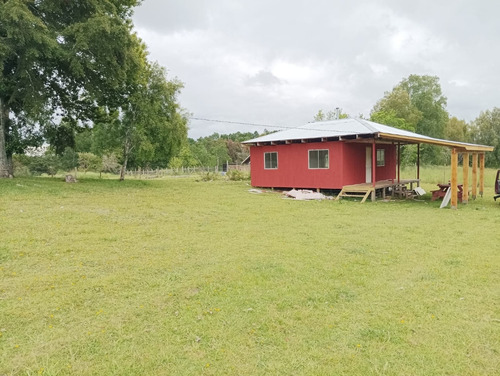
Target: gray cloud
<point>263,78</point>
<point>278,62</point>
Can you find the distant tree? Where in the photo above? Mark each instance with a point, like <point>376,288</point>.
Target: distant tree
<point>211,151</point>
<point>420,102</point>
<point>457,130</point>
<point>426,95</point>
<point>149,128</point>
<point>485,130</point>
<point>84,141</point>
<point>69,159</point>
<point>330,115</point>
<point>89,161</point>
<point>49,164</point>
<point>396,110</point>
<point>110,163</point>
<point>215,150</point>
<point>391,119</point>
<point>185,158</point>
<point>236,151</point>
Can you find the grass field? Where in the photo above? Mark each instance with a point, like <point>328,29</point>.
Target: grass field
<point>179,277</point>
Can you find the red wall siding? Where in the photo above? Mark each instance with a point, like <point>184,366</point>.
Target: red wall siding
<point>354,164</point>
<point>347,162</point>
<point>389,170</point>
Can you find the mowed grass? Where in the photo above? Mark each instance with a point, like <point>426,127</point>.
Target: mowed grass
<point>178,277</point>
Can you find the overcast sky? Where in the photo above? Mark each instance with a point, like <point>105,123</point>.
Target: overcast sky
<point>279,62</point>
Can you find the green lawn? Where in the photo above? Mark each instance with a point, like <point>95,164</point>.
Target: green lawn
<point>178,277</point>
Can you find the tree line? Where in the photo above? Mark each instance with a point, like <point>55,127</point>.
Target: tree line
<point>417,104</point>
<point>75,76</point>
<point>76,71</point>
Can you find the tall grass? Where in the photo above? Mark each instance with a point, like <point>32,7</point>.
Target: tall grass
<point>178,277</point>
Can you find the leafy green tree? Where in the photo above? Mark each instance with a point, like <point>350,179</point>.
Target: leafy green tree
<point>49,164</point>
<point>211,151</point>
<point>426,95</point>
<point>89,161</point>
<point>149,128</point>
<point>390,118</point>
<point>485,130</point>
<point>60,57</point>
<point>330,115</point>
<point>457,130</point>
<point>418,100</point>
<point>396,110</point>
<point>69,159</point>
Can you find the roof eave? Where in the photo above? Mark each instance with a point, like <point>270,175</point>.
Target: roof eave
<point>435,141</point>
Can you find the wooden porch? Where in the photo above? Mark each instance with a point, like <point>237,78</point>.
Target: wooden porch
<point>364,190</point>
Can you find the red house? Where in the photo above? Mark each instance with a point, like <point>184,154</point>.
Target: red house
<point>335,154</point>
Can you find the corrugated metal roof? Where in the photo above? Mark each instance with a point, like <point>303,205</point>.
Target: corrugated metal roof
<point>358,127</point>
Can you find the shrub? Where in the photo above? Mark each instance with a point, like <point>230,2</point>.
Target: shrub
<point>48,164</point>
<point>21,165</point>
<point>89,161</point>
<point>238,175</point>
<point>209,176</point>
<point>110,164</point>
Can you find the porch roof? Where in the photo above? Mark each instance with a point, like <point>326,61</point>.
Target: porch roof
<point>357,129</point>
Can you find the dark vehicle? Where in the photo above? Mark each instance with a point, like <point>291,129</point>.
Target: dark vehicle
<point>497,186</point>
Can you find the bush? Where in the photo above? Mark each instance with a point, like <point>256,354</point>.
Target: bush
<point>238,175</point>
<point>89,161</point>
<point>48,164</point>
<point>110,164</point>
<point>209,176</point>
<point>21,165</point>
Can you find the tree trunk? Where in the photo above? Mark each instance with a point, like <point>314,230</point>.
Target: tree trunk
<point>127,148</point>
<point>126,152</point>
<point>10,165</point>
<point>124,168</point>
<point>4,119</point>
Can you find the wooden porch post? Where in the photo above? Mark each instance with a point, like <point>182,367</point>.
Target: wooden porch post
<point>418,164</point>
<point>474,176</point>
<point>481,174</point>
<point>454,182</point>
<point>465,193</point>
<point>399,162</point>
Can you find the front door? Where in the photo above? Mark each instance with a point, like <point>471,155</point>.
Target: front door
<point>368,164</point>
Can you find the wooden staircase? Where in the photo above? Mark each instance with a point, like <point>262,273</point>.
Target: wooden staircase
<point>363,191</point>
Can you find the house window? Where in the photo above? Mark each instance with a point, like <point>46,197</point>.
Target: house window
<point>271,160</point>
<point>380,157</point>
<point>318,159</point>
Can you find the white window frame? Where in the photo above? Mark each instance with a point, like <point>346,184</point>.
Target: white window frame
<point>380,157</point>
<point>271,168</point>
<point>318,150</point>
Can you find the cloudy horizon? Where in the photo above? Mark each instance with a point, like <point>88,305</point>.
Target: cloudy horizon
<point>278,63</point>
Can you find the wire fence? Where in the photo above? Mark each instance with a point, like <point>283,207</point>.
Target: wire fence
<point>146,173</point>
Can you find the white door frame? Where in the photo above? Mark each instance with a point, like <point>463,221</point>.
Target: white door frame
<point>368,165</point>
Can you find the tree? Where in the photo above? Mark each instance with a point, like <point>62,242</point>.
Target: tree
<point>418,100</point>
<point>396,110</point>
<point>426,95</point>
<point>69,159</point>
<point>89,161</point>
<point>457,130</point>
<point>330,115</point>
<point>391,118</point>
<point>60,57</point>
<point>485,130</point>
<point>184,159</point>
<point>148,128</point>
